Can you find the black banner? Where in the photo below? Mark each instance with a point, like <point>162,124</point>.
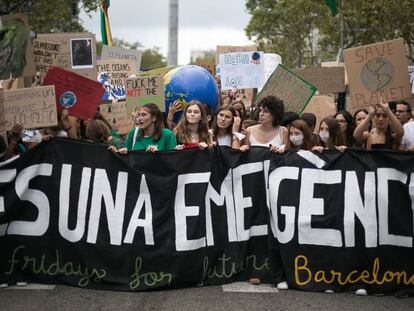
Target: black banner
<point>72,212</point>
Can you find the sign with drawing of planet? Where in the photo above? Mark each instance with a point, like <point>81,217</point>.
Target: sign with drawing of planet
<point>377,70</point>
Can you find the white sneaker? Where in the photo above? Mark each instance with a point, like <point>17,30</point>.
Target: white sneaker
<point>282,285</point>
<point>4,285</point>
<point>361,292</point>
<point>330,291</point>
<point>21,284</point>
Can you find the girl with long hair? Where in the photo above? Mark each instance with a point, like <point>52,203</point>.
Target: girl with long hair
<point>225,128</point>
<point>387,132</point>
<point>300,136</point>
<point>149,134</point>
<point>192,129</point>
<point>330,136</point>
<point>347,126</point>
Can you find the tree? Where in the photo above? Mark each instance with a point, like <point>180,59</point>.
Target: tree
<point>152,59</point>
<point>50,16</point>
<point>287,27</point>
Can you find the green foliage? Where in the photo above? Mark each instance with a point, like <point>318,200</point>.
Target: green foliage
<point>152,59</point>
<point>50,16</point>
<point>286,27</point>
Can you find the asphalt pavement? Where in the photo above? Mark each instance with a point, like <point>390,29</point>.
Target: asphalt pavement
<point>237,296</point>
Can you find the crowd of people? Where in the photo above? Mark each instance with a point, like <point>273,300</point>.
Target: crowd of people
<point>267,124</point>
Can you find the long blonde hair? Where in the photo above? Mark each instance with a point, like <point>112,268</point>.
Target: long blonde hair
<point>182,130</point>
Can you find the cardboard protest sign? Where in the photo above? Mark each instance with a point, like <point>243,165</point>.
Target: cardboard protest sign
<point>292,89</point>
<point>113,52</point>
<point>80,95</point>
<point>222,49</point>
<point>31,107</point>
<point>116,115</point>
<point>377,70</point>
<point>207,65</point>
<point>45,55</point>
<point>112,74</point>
<point>16,53</point>
<point>336,64</point>
<point>156,72</point>
<point>321,106</point>
<point>77,53</point>
<point>326,79</point>
<point>144,90</point>
<point>242,70</point>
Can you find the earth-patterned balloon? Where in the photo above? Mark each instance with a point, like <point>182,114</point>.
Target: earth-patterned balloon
<point>190,82</point>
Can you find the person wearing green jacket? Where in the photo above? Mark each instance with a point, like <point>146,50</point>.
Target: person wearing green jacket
<point>149,134</point>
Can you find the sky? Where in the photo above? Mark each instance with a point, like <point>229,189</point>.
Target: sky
<point>202,24</point>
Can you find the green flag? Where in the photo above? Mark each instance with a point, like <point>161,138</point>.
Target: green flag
<point>332,6</point>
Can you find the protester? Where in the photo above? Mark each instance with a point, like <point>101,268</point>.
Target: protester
<point>210,114</point>
<point>176,106</point>
<point>386,134</point>
<point>403,112</point>
<point>347,125</point>
<point>407,142</point>
<point>360,115</point>
<point>300,136</point>
<point>288,118</point>
<point>15,144</point>
<point>225,126</point>
<point>98,131</point>
<point>149,134</point>
<point>269,132</point>
<point>71,124</point>
<point>192,129</point>
<point>330,136</point>
<point>310,120</point>
<point>240,108</point>
<point>114,132</point>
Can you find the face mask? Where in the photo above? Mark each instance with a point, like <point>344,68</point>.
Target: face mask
<point>296,140</point>
<point>324,135</point>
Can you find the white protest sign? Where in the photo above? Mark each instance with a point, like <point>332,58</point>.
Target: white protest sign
<point>242,70</point>
<point>271,61</point>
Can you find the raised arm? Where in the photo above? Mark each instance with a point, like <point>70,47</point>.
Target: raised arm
<point>360,133</point>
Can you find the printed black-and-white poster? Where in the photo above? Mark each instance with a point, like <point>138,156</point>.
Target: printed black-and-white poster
<point>81,53</point>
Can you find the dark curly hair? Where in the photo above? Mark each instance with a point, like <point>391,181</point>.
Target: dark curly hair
<point>275,107</point>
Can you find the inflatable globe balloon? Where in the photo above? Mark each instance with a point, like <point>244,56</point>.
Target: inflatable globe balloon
<point>187,83</point>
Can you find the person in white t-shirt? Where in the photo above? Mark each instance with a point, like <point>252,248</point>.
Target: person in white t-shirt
<point>407,142</point>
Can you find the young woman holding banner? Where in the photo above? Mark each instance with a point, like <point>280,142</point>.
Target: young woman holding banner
<point>300,136</point>
<point>330,136</point>
<point>192,129</point>
<point>149,134</point>
<point>268,133</point>
<point>225,126</point>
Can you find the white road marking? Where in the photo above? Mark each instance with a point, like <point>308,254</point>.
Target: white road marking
<point>246,287</point>
<point>33,286</point>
